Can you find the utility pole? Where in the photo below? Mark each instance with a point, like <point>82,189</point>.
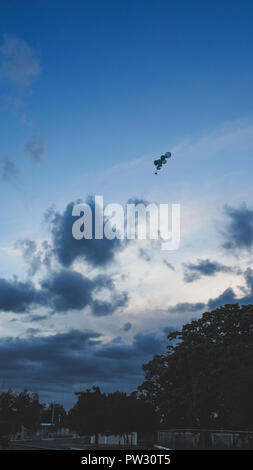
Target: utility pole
<point>53,412</point>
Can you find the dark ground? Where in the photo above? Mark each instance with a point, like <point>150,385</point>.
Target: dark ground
<point>66,444</point>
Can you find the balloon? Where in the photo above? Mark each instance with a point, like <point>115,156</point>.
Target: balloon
<point>161,161</point>
<point>167,154</point>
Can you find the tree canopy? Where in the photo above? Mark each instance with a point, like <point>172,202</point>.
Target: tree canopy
<point>205,379</point>
<point>25,409</point>
<point>114,413</point>
<point>17,410</point>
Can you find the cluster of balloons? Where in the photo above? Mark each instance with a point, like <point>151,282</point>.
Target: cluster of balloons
<point>161,161</point>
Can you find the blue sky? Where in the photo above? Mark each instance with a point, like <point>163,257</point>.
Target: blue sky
<point>90,94</point>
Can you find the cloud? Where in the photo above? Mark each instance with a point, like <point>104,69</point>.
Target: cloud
<point>248,275</point>
<point>169,265</point>
<point>68,290</point>
<point>18,63</point>
<point>239,230</point>
<point>128,164</point>
<point>65,362</point>
<point>101,308</point>
<point>127,326</point>
<point>169,329</point>
<point>61,291</point>
<point>18,297</point>
<point>35,318</point>
<point>35,148</point>
<point>97,253</point>
<point>143,344</point>
<point>205,267</point>
<point>32,331</point>
<point>36,256</point>
<point>144,255</point>
<point>227,297</point>
<point>136,201</point>
<point>66,249</point>
<point>9,170</point>
<point>186,307</point>
<point>234,136</point>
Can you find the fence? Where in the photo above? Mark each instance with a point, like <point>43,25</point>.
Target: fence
<point>205,439</point>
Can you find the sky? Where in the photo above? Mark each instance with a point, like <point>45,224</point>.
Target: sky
<point>91,93</point>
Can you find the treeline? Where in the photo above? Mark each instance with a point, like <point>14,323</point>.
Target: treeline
<point>203,380</point>
<point>95,412</point>
<point>25,409</point>
<point>113,413</point>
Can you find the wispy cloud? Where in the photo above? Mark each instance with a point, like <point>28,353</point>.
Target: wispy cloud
<point>9,170</point>
<point>204,267</point>
<point>19,68</point>
<point>18,63</point>
<point>169,265</point>
<point>130,164</point>
<point>35,148</point>
<point>232,136</point>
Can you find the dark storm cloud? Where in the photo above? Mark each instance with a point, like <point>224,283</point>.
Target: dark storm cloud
<point>97,253</point>
<point>67,249</point>
<point>61,291</point>
<point>18,297</point>
<point>56,363</point>
<point>142,345</point>
<point>239,229</point>
<point>9,170</point>
<point>204,267</point>
<point>35,148</point>
<point>68,290</point>
<point>101,308</point>
<point>45,349</point>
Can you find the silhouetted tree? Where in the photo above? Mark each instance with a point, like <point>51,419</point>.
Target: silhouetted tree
<point>116,413</point>
<point>88,416</point>
<point>17,410</point>
<point>29,410</point>
<point>128,413</point>
<point>9,422</point>
<point>206,376</point>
